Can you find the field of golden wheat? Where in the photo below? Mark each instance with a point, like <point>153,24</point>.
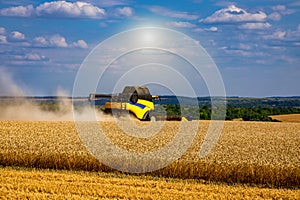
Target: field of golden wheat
<point>295,118</point>
<point>247,152</point>
<point>61,184</point>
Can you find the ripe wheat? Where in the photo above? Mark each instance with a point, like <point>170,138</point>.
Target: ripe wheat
<point>252,152</point>
<point>287,118</point>
<point>45,184</point>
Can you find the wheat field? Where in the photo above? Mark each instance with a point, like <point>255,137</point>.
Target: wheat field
<point>18,183</point>
<point>247,152</point>
<point>287,118</point>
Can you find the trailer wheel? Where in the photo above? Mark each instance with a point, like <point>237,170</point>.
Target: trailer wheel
<point>152,116</point>
<point>153,119</point>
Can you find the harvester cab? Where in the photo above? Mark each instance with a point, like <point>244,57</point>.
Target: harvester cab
<point>135,99</point>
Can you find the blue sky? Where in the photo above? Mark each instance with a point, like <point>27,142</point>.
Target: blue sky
<point>255,44</point>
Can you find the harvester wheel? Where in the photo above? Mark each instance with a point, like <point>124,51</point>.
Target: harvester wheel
<point>146,117</point>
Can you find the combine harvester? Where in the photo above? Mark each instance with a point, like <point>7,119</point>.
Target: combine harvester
<point>136,100</point>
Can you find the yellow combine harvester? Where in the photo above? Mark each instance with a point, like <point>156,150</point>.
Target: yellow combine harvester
<point>135,99</point>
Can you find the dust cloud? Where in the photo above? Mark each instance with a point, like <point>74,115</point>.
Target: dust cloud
<point>15,106</point>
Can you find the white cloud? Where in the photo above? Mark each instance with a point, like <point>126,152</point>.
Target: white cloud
<point>3,39</point>
<point>211,29</point>
<point>18,11</point>
<point>81,44</point>
<point>275,16</point>
<point>15,35</point>
<point>125,11</point>
<point>2,30</point>
<point>34,57</point>
<point>282,10</point>
<point>288,36</point>
<point>68,9</point>
<point>56,9</point>
<point>234,14</point>
<point>181,24</point>
<point>293,35</point>
<point>41,41</point>
<point>279,10</point>
<point>58,41</point>
<point>171,13</point>
<point>279,35</point>
<point>52,41</point>
<point>256,26</point>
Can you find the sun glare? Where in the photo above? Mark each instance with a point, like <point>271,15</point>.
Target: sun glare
<point>147,37</point>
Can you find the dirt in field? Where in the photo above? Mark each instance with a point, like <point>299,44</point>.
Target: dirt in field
<point>30,111</point>
<point>23,109</point>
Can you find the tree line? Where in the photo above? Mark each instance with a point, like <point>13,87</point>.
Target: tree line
<point>246,114</point>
